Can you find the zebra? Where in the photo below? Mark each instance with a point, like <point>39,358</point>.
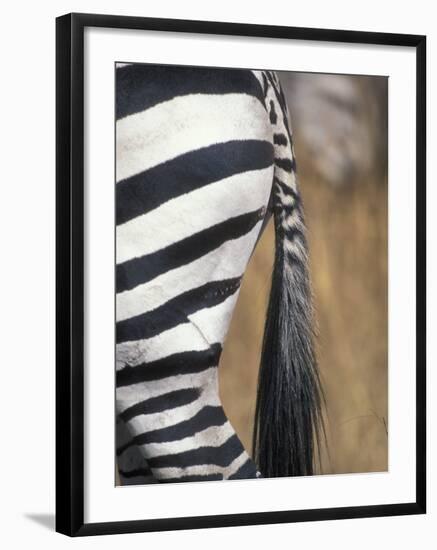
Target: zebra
<point>204,157</point>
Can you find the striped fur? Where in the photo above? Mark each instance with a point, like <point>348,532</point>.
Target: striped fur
<point>198,151</point>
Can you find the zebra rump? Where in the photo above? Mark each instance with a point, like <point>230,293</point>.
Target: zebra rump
<point>199,152</point>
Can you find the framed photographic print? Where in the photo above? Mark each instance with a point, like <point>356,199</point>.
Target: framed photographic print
<point>240,274</point>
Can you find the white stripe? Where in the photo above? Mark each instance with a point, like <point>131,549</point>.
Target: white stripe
<point>184,337</point>
<point>283,152</point>
<point>235,465</point>
<point>183,124</point>
<point>225,262</point>
<point>214,436</point>
<point>169,417</point>
<point>293,220</point>
<point>296,247</point>
<point>140,448</point>
<point>190,213</point>
<point>206,380</point>
<point>203,330</point>
<point>213,323</point>
<point>202,469</point>
<point>190,411</point>
<point>286,200</point>
<point>287,178</point>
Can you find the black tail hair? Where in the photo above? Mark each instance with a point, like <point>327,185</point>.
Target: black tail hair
<point>288,416</point>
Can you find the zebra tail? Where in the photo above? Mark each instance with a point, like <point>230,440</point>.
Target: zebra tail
<point>288,416</point>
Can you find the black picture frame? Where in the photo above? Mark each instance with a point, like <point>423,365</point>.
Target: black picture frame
<point>70,273</point>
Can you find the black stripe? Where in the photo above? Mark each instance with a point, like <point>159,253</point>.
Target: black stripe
<point>149,189</point>
<point>141,86</point>
<point>265,85</point>
<point>145,268</point>
<point>246,471</point>
<point>294,260</point>
<point>208,477</point>
<point>176,310</point>
<point>187,362</point>
<point>134,473</point>
<point>287,190</point>
<point>161,403</point>
<point>280,139</point>
<point>207,417</point>
<point>286,164</point>
<point>218,456</point>
<point>272,114</point>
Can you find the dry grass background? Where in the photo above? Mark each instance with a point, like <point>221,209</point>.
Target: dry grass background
<point>347,225</point>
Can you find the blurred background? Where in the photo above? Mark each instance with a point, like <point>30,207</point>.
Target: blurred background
<point>340,136</point>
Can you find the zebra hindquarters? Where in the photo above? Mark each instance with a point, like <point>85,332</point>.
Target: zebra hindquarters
<point>194,176</point>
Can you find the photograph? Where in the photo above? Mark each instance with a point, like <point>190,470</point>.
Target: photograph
<point>251,273</point>
<point>240,274</point>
